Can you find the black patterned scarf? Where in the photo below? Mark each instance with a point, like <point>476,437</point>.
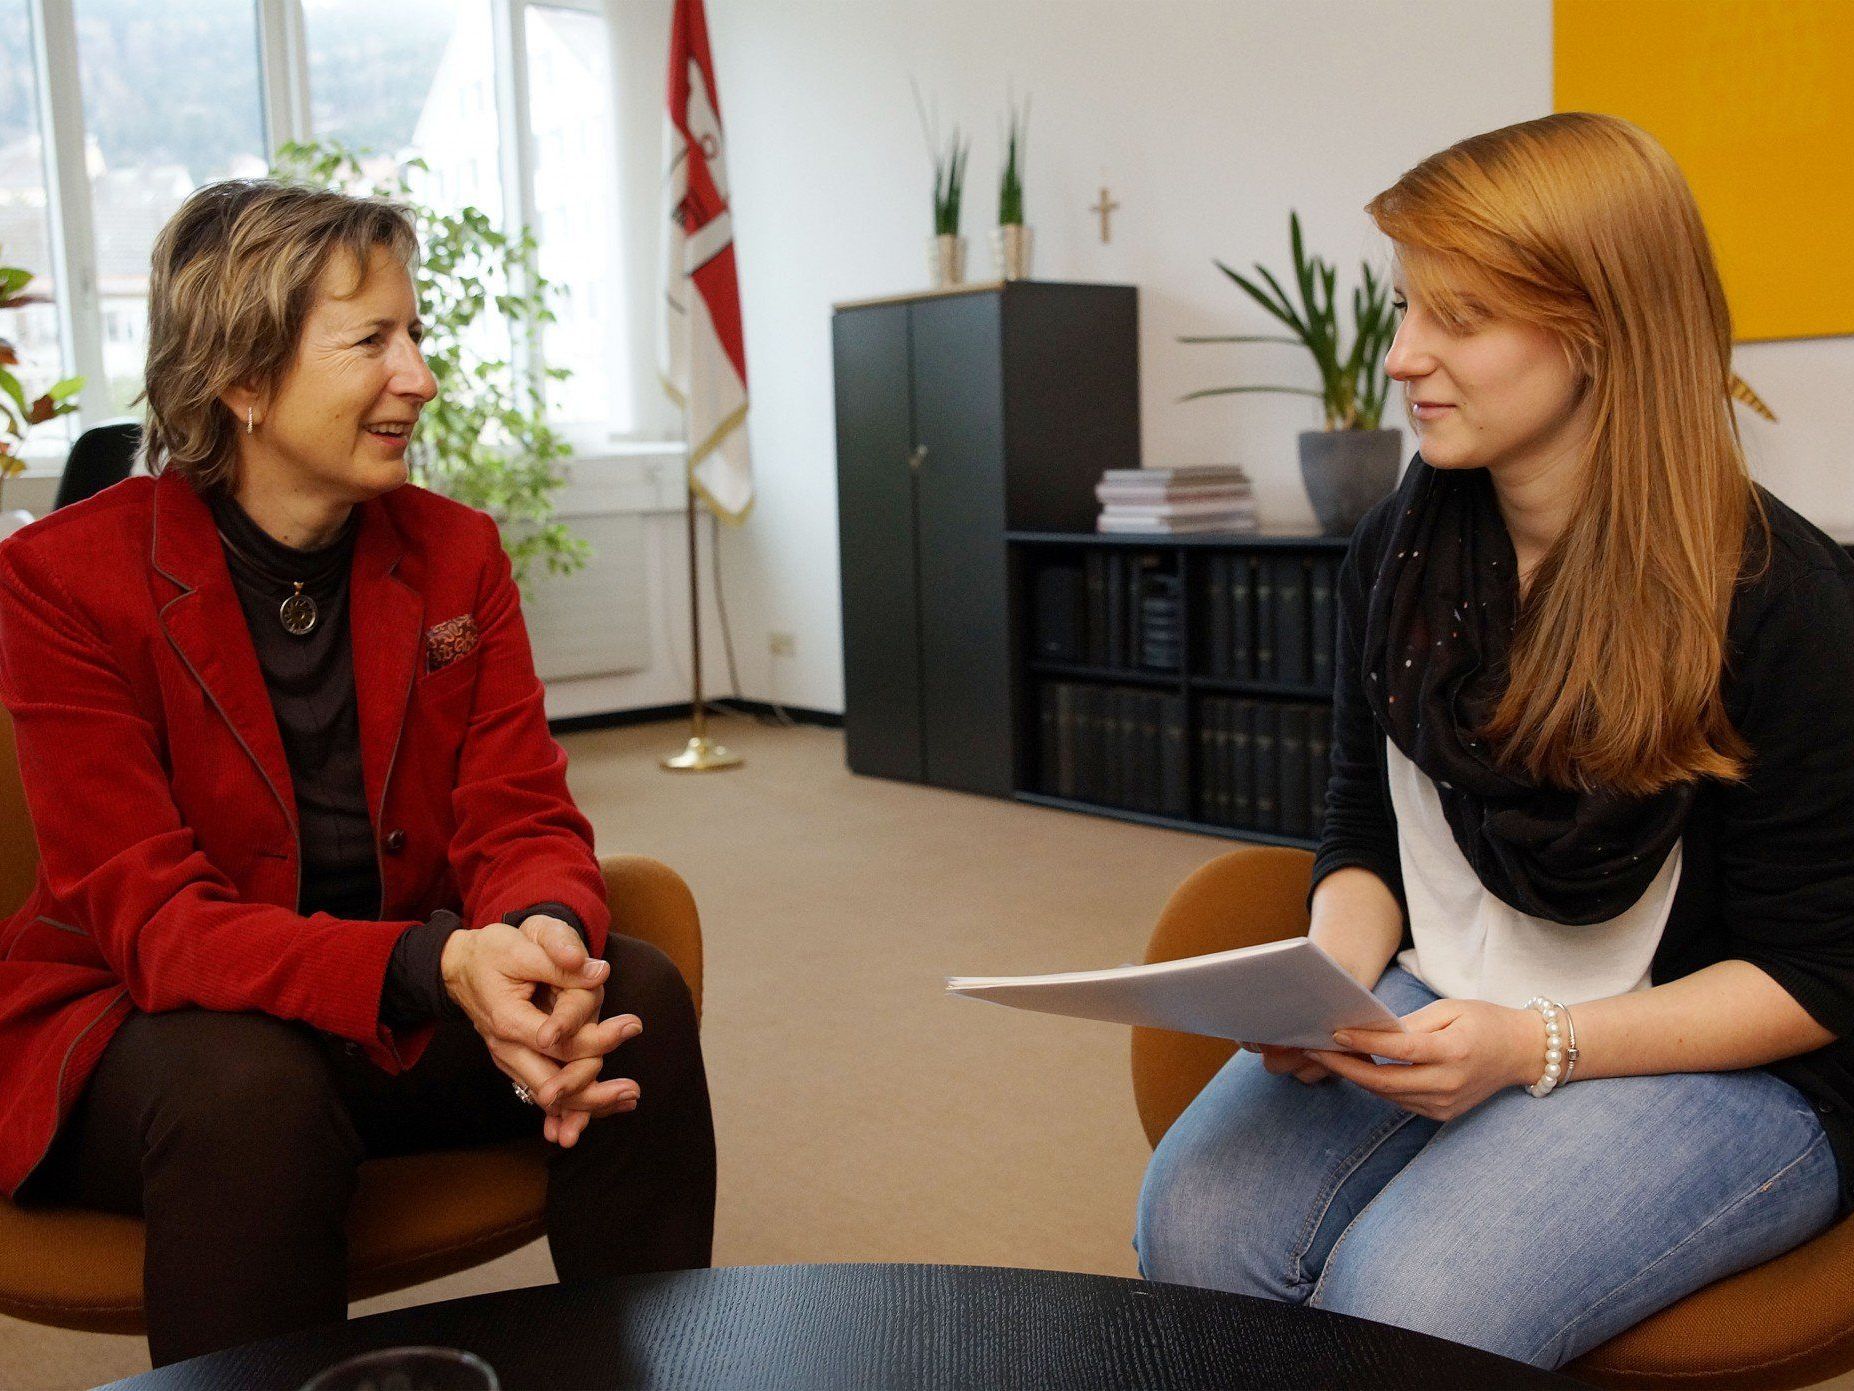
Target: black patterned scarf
<point>1440,618</point>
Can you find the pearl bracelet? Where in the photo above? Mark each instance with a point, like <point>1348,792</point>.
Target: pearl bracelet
<point>1559,1059</point>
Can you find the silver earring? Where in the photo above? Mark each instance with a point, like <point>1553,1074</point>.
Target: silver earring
<point>248,425</point>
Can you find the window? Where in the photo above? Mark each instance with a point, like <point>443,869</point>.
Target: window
<point>170,103</point>
<point>174,95</point>
<point>570,108</point>
<point>416,86</point>
<point>411,80</point>
<point>25,225</point>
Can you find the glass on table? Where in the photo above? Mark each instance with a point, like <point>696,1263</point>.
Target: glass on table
<point>409,1369</point>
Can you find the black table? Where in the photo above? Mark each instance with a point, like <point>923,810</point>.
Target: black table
<point>884,1326</point>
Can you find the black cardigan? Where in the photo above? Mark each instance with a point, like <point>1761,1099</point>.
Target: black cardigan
<point>1767,870</point>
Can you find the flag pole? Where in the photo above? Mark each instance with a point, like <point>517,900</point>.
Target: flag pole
<point>700,319</point>
<point>701,754</point>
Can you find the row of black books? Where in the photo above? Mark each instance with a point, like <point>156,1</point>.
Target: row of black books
<point>1116,746</point>
<point>1270,617</point>
<point>1263,765</point>
<point>1117,609</point>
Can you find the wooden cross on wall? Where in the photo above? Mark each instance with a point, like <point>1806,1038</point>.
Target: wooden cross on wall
<point>1105,208</point>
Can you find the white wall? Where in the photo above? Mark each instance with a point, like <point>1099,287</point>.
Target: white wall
<point>1208,120</point>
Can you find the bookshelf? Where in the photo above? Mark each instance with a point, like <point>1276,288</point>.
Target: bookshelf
<point>1178,681</point>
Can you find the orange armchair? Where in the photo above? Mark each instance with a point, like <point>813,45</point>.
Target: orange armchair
<point>1786,1323</point>
<point>414,1218</point>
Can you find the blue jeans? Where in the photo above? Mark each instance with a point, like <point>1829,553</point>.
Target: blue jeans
<point>1532,1228</point>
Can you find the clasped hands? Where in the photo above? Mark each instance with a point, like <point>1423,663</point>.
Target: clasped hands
<point>534,994</point>
<point>1459,1053</point>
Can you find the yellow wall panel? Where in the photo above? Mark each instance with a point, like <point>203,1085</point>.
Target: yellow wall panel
<point>1755,100</point>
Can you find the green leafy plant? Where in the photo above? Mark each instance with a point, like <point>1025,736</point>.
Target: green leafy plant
<point>1353,384</point>
<point>1011,186</point>
<point>484,440</point>
<point>17,413</point>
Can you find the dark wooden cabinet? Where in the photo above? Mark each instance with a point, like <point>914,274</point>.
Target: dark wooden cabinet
<point>881,619</point>
<point>960,416</point>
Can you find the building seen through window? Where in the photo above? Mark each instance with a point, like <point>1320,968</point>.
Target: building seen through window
<point>571,107</point>
<point>171,100</point>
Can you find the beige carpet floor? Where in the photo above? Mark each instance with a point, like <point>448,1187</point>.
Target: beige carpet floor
<point>862,1115</point>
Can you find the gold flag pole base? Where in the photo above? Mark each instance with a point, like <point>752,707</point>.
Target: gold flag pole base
<point>702,755</point>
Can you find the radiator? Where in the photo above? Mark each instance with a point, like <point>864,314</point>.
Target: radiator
<point>597,621</point>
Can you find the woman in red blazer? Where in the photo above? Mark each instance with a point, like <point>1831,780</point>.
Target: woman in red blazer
<point>311,884</point>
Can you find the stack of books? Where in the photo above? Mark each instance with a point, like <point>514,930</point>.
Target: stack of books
<point>1173,501</point>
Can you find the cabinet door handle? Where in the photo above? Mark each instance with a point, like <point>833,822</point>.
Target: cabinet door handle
<point>918,457</point>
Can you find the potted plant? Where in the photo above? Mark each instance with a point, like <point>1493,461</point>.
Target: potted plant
<point>1352,462</point>
<point>484,440</point>
<point>18,414</point>
<point>946,252</point>
<point>1010,243</point>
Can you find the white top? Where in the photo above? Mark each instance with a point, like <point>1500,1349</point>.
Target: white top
<point>1471,945</point>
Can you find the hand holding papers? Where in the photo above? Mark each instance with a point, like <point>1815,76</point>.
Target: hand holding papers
<point>1288,993</point>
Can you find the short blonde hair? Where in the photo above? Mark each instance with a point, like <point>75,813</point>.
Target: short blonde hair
<point>233,280</point>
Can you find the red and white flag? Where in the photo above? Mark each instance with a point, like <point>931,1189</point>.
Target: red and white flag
<point>701,352</point>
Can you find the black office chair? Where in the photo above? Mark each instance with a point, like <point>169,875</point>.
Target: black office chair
<point>102,455</point>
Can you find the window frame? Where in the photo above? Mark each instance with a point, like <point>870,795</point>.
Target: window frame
<point>284,97</point>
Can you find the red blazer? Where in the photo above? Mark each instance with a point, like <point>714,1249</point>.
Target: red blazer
<point>169,867</point>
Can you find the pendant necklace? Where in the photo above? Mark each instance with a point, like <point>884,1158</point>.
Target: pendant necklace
<point>297,612</point>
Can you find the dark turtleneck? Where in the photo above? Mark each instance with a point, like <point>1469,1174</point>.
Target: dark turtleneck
<point>311,683</point>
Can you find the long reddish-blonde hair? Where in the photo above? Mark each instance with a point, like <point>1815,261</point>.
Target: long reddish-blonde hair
<point>1583,225</point>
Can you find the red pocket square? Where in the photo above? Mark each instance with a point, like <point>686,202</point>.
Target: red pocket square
<point>447,641</point>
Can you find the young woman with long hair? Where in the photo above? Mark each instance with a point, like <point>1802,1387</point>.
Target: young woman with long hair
<point>1590,827</point>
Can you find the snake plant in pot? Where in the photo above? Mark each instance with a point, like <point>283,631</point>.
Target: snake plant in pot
<point>946,249</point>
<point>1010,241</point>
<point>1352,462</point>
<point>946,253</point>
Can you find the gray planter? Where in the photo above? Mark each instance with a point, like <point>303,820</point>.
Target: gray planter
<point>1346,471</point>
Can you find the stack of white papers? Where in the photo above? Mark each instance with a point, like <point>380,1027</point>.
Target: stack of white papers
<point>1288,993</point>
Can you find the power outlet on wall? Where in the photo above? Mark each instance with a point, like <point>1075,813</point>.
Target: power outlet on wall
<point>781,644</point>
